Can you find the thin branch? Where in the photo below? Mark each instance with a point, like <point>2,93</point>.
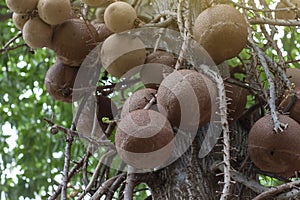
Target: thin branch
<point>269,194</point>
<point>130,184</point>
<point>275,22</point>
<point>12,48</point>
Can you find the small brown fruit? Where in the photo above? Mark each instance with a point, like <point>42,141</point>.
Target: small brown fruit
<point>59,81</point>
<point>37,34</point>
<point>291,104</point>
<point>20,20</point>
<point>275,152</point>
<point>157,64</point>
<point>120,53</point>
<point>185,98</point>
<point>222,32</point>
<point>73,40</point>
<point>138,100</point>
<point>286,14</point>
<point>119,16</point>
<point>54,12</point>
<point>144,139</point>
<point>237,101</point>
<point>21,7</point>
<point>294,75</point>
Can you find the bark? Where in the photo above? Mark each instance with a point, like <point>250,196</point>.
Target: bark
<point>192,178</point>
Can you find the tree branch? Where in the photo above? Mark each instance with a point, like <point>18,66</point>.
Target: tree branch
<point>275,22</point>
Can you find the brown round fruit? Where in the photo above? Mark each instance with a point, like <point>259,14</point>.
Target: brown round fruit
<point>73,40</point>
<point>286,14</point>
<point>294,75</point>
<point>144,139</point>
<point>102,30</point>
<point>120,53</point>
<point>105,108</point>
<point>54,12</point>
<point>237,101</point>
<point>119,16</point>
<point>94,3</point>
<point>20,20</point>
<point>185,98</point>
<point>21,7</point>
<point>222,32</point>
<point>291,105</point>
<point>275,152</point>
<point>59,81</point>
<point>37,34</point>
<point>157,65</point>
<point>138,100</point>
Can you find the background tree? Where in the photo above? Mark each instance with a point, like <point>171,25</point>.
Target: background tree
<point>34,163</point>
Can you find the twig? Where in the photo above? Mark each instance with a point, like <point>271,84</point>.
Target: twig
<point>12,48</point>
<point>73,171</point>
<point>276,190</point>
<point>114,187</point>
<point>130,184</point>
<point>275,22</point>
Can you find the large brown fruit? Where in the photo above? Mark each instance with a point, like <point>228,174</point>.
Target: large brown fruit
<point>54,12</point>
<point>138,100</point>
<point>237,101</point>
<point>222,31</point>
<point>185,98</point>
<point>120,53</point>
<point>20,20</point>
<point>144,139</point>
<point>275,152</point>
<point>37,34</point>
<point>59,81</point>
<point>294,75</point>
<point>21,6</point>
<point>156,65</point>
<point>73,40</point>
<point>119,16</point>
<point>105,108</point>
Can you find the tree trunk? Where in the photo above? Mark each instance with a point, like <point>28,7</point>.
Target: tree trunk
<point>193,178</point>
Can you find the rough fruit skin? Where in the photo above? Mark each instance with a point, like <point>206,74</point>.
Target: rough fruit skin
<point>73,40</point>
<point>20,20</point>
<point>138,100</point>
<point>122,52</point>
<point>21,7</point>
<point>119,16</point>
<point>157,64</point>
<point>275,152</point>
<point>37,34</point>
<point>237,101</point>
<point>54,12</point>
<point>144,139</point>
<point>185,98</point>
<point>222,32</point>
<point>59,81</point>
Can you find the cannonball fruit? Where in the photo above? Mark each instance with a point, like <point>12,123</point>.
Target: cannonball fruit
<point>73,40</point>
<point>122,52</point>
<point>275,152</point>
<point>144,139</point>
<point>119,16</point>
<point>237,100</point>
<point>37,34</point>
<point>222,32</point>
<point>291,104</point>
<point>156,65</point>
<point>20,20</point>
<point>21,7</point>
<point>286,14</point>
<point>185,97</point>
<point>294,75</point>
<point>138,100</point>
<point>54,12</point>
<point>59,81</point>
<point>94,3</point>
